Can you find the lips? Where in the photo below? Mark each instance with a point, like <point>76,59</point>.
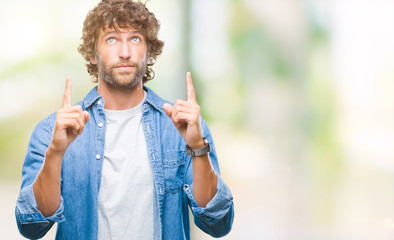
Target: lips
<point>124,67</point>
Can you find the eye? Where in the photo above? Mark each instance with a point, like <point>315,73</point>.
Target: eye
<point>111,40</point>
<point>135,39</point>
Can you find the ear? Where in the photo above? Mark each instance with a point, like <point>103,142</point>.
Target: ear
<point>93,60</point>
<point>147,57</point>
<point>149,60</point>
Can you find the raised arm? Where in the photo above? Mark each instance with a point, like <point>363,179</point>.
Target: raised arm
<point>186,118</point>
<point>70,122</point>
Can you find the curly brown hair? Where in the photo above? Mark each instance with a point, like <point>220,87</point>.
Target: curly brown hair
<point>120,14</point>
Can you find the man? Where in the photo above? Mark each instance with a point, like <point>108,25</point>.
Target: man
<point>122,163</point>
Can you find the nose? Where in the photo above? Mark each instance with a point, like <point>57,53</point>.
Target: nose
<point>124,50</point>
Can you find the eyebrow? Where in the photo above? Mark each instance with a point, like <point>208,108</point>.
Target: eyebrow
<point>115,32</point>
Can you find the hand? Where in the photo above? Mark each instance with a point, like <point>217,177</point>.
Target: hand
<point>186,116</point>
<point>70,122</point>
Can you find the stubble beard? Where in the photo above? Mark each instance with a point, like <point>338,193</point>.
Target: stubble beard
<point>121,80</point>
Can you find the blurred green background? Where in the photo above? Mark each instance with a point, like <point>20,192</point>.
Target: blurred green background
<point>298,95</point>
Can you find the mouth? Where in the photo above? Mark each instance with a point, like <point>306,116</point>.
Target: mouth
<point>125,67</point>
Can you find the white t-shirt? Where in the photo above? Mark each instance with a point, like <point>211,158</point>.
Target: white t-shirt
<point>125,200</point>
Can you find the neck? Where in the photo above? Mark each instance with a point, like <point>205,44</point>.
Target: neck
<point>120,99</point>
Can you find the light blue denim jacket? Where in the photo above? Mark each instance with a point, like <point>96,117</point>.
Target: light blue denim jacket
<point>81,175</point>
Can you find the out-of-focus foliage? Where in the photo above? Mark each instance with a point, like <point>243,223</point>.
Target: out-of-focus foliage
<point>298,95</point>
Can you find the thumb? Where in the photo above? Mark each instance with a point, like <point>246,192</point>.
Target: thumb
<point>168,109</point>
<point>86,115</point>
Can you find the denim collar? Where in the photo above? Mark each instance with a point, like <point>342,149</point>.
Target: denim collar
<point>152,98</point>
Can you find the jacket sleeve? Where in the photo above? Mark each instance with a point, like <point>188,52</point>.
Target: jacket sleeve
<point>31,222</point>
<point>217,217</point>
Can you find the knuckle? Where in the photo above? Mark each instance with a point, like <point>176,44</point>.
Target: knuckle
<point>76,125</point>
<point>78,108</point>
<point>59,112</point>
<point>59,117</point>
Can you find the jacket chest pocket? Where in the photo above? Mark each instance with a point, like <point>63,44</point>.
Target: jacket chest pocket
<point>173,167</point>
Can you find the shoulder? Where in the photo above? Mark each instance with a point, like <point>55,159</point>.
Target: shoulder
<point>155,100</point>
<point>47,123</point>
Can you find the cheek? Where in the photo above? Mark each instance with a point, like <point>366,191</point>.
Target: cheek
<point>143,56</point>
<point>140,51</point>
<point>108,57</point>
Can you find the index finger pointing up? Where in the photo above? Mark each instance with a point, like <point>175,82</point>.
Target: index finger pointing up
<point>67,93</point>
<point>191,95</point>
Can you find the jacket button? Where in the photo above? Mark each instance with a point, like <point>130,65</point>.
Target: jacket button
<point>98,156</point>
